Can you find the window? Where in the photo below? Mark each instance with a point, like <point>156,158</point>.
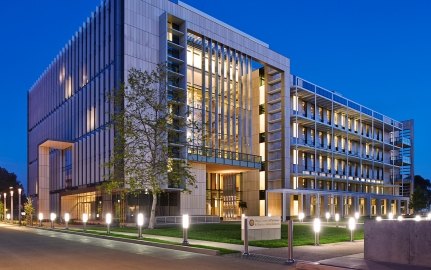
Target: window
<point>262,137</point>
<point>261,108</point>
<point>295,103</point>
<point>295,130</point>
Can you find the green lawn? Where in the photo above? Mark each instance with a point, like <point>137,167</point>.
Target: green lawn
<point>231,233</point>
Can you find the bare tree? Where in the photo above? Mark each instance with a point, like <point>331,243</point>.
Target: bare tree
<point>144,119</point>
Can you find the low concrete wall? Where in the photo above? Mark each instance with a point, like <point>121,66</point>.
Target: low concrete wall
<point>404,242</point>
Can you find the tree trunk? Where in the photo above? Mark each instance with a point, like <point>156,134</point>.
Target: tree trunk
<point>153,213</point>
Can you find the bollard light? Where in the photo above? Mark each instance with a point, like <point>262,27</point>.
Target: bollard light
<point>84,220</point>
<point>140,223</point>
<point>269,215</point>
<point>186,223</point>
<point>108,220</point>
<point>316,228</point>
<point>391,216</point>
<point>66,219</point>
<point>429,216</point>
<point>400,218</point>
<point>8,216</point>
<point>40,217</point>
<point>378,218</point>
<point>357,215</point>
<point>328,216</point>
<point>4,203</point>
<point>418,218</point>
<point>301,216</point>
<point>52,217</point>
<point>352,227</point>
<point>337,218</point>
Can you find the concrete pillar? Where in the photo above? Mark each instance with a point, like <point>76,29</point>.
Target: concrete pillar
<point>317,210</point>
<point>341,205</point>
<point>301,203</point>
<point>378,207</point>
<point>326,207</point>
<point>388,206</point>
<point>43,182</point>
<point>367,205</point>
<point>307,208</point>
<point>398,207</point>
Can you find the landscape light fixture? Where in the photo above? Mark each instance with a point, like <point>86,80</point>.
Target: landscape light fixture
<point>19,205</point>
<point>140,223</point>
<point>357,215</point>
<point>52,217</point>
<point>40,217</point>
<point>8,216</point>
<point>4,208</point>
<point>337,218</point>
<point>316,228</point>
<point>400,218</point>
<point>352,227</point>
<point>11,204</point>
<point>108,220</point>
<point>84,220</point>
<point>301,216</point>
<point>67,219</point>
<point>378,218</point>
<point>418,218</point>
<point>186,224</point>
<point>429,216</point>
<point>328,216</point>
<point>391,216</point>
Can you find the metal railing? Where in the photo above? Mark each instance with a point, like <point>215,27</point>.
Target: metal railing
<point>217,153</point>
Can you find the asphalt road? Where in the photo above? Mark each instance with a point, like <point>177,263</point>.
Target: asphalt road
<point>26,248</point>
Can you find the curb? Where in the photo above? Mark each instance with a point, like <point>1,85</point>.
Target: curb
<point>137,241</point>
<point>316,266</point>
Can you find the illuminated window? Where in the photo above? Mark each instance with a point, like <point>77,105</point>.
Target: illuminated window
<point>295,156</point>
<point>295,103</point>
<point>295,130</point>
<point>91,119</point>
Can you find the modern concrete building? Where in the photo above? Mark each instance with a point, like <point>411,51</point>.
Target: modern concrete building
<point>275,141</point>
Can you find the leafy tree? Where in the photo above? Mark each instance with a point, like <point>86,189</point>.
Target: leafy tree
<point>421,196</point>
<point>29,211</point>
<point>7,180</point>
<point>143,120</point>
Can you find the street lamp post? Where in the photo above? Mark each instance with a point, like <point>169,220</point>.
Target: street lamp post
<point>4,208</point>
<point>84,221</point>
<point>352,227</point>
<point>337,218</point>
<point>186,223</point>
<point>11,206</point>
<point>316,227</point>
<point>108,220</point>
<point>66,219</point>
<point>53,216</point>
<point>140,224</point>
<point>19,205</point>
<point>40,217</point>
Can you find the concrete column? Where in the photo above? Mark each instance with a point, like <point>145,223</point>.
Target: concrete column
<point>388,206</point>
<point>43,182</point>
<point>341,205</point>
<point>367,207</point>
<point>398,207</point>
<point>307,207</point>
<point>301,203</point>
<point>317,210</point>
<point>378,207</point>
<point>326,207</point>
<point>356,204</point>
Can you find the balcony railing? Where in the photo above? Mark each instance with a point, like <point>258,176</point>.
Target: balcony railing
<point>211,155</point>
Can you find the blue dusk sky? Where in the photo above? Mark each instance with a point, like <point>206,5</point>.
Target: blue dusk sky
<point>376,53</point>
